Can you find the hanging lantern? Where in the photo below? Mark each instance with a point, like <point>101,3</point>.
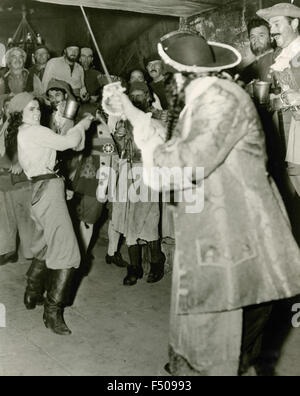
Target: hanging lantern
<point>25,37</point>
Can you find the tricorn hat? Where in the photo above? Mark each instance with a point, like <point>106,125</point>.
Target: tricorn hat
<point>281,9</point>
<point>186,51</point>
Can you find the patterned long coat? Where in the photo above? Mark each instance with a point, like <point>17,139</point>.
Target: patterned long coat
<point>239,251</point>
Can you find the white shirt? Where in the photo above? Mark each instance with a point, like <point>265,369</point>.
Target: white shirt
<point>59,69</point>
<point>37,147</point>
<point>283,60</point>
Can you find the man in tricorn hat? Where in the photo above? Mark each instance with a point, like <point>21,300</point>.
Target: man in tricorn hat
<point>284,22</point>
<point>238,253</point>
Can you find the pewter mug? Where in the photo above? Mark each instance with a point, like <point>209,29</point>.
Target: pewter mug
<point>262,92</point>
<point>71,109</point>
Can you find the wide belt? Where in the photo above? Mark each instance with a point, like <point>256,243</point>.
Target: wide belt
<point>44,177</point>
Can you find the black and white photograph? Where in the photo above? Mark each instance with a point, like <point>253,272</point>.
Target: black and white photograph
<point>149,191</point>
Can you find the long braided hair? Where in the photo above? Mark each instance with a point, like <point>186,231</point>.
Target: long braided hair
<point>176,95</point>
<point>11,137</point>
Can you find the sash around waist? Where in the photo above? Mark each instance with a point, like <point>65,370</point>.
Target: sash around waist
<point>48,176</point>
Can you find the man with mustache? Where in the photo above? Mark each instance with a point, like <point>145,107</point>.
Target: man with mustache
<point>154,68</point>
<point>66,68</point>
<point>283,19</point>
<point>284,22</point>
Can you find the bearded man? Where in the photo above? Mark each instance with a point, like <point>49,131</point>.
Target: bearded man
<point>261,47</point>
<point>66,68</point>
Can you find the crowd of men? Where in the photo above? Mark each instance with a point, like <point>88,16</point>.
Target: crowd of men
<point>235,257</point>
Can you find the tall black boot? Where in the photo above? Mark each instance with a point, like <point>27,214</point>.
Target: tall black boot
<point>36,284</point>
<point>157,263</point>
<point>135,268</point>
<point>57,295</point>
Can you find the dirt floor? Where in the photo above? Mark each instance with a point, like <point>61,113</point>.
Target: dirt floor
<point>116,330</point>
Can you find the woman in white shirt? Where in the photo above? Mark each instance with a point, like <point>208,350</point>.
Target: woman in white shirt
<point>54,242</point>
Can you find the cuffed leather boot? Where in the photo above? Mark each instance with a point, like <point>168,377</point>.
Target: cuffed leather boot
<point>36,284</point>
<point>157,263</point>
<point>134,269</point>
<point>57,294</point>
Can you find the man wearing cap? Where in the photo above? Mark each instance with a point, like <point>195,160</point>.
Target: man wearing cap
<point>36,72</point>
<point>238,251</point>
<point>54,240</point>
<point>66,68</point>
<point>284,22</point>
<point>57,93</point>
<point>154,67</point>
